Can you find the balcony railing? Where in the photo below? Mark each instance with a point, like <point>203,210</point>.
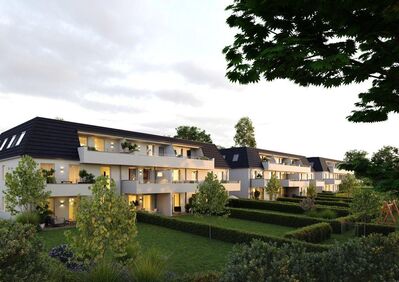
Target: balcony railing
<point>294,183</point>
<point>285,167</point>
<point>68,190</point>
<point>109,158</point>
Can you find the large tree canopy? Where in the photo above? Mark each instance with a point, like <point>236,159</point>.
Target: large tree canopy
<point>193,133</point>
<point>320,42</point>
<point>245,133</point>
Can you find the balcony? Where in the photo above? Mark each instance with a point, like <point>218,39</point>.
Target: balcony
<point>68,190</point>
<point>338,171</point>
<point>232,186</point>
<point>285,168</point>
<point>318,183</point>
<point>294,183</point>
<point>332,181</point>
<point>108,158</point>
<point>258,182</point>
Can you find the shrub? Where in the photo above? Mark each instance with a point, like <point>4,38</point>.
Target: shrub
<point>317,201</point>
<point>326,214</point>
<point>107,272</point>
<point>373,258</point>
<point>28,218</point>
<point>218,233</point>
<point>365,229</point>
<point>21,257</point>
<point>315,233</point>
<point>307,204</point>
<point>367,203</point>
<point>210,276</point>
<point>63,254</point>
<point>149,267</point>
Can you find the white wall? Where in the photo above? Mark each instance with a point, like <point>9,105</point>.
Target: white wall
<point>164,204</point>
<point>242,175</point>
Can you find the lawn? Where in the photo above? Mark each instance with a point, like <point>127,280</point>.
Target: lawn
<point>186,252</point>
<point>239,224</point>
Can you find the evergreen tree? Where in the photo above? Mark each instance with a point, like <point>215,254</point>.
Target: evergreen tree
<point>245,133</point>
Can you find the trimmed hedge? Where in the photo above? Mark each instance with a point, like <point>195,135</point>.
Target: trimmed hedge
<point>219,233</point>
<point>281,206</point>
<point>315,233</point>
<point>323,195</point>
<point>339,225</point>
<point>365,229</point>
<point>319,202</point>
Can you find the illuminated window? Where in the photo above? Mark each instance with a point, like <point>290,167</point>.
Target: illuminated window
<point>83,141</point>
<point>11,141</point>
<point>4,143</point>
<point>99,144</point>
<point>176,175</point>
<point>20,138</point>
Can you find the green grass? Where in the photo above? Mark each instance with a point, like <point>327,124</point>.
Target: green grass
<point>340,238</point>
<point>239,224</point>
<point>186,252</point>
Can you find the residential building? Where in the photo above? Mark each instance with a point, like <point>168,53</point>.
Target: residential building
<point>327,175</point>
<point>254,167</point>
<point>159,174</point>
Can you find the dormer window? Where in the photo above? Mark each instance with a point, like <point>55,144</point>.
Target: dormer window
<point>11,141</point>
<point>4,143</point>
<point>20,138</point>
<point>235,157</point>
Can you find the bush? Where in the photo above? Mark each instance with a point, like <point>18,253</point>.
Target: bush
<point>338,225</point>
<point>365,229</point>
<point>28,218</point>
<point>317,201</point>
<point>315,233</point>
<point>199,277</point>
<point>107,272</point>
<point>63,254</point>
<point>373,258</point>
<point>21,257</point>
<point>149,266</point>
<point>281,206</point>
<point>218,233</point>
<point>326,214</point>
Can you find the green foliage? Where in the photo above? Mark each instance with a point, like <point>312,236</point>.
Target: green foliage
<point>273,187</point>
<point>315,233</point>
<point>49,175</point>
<point>105,223</point>
<point>21,256</point>
<point>311,190</point>
<point>131,147</point>
<point>86,177</point>
<point>348,184</point>
<point>149,266</point>
<point>367,203</point>
<point>106,271</point>
<point>211,197</point>
<point>218,233</point>
<point>319,43</point>
<point>327,214</point>
<point>307,204</point>
<point>357,161</point>
<point>373,258</point>
<point>28,218</point>
<point>365,229</point>
<point>192,133</point>
<point>319,201</point>
<point>25,187</point>
<point>199,277</point>
<point>245,133</point>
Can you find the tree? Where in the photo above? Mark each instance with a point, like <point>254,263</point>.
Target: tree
<point>367,203</point>
<point>192,133</point>
<point>320,43</point>
<point>348,184</point>
<point>357,161</point>
<point>273,187</point>
<point>245,133</point>
<point>311,190</point>
<point>105,222</point>
<point>211,197</point>
<point>25,187</point>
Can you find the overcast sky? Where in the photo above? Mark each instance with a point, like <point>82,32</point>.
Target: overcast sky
<point>154,65</point>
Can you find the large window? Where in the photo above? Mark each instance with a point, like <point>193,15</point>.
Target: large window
<point>99,144</point>
<point>83,141</point>
<point>176,175</point>
<point>74,173</point>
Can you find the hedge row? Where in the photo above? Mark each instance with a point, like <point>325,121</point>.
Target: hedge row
<point>319,202</point>
<point>315,233</point>
<point>281,206</point>
<point>365,229</point>
<point>219,233</point>
<point>333,196</point>
<point>329,198</point>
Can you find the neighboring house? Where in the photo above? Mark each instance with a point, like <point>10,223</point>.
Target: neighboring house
<point>254,167</point>
<point>327,175</point>
<point>160,176</point>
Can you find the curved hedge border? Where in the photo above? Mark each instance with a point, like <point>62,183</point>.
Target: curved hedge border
<point>339,225</point>
<point>365,229</point>
<point>281,206</point>
<point>315,233</point>
<point>320,202</point>
<point>218,233</point>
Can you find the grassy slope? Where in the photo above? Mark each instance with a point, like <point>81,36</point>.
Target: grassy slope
<point>239,224</point>
<point>186,252</point>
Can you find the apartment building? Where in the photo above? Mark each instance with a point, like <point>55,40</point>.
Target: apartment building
<point>327,175</point>
<point>254,167</point>
<point>157,173</point>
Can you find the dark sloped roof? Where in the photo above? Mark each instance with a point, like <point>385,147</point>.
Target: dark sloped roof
<point>50,138</point>
<point>249,157</point>
<point>320,164</point>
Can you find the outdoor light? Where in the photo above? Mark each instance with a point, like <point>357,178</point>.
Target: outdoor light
<point>61,169</point>
<point>112,145</point>
<point>62,203</point>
